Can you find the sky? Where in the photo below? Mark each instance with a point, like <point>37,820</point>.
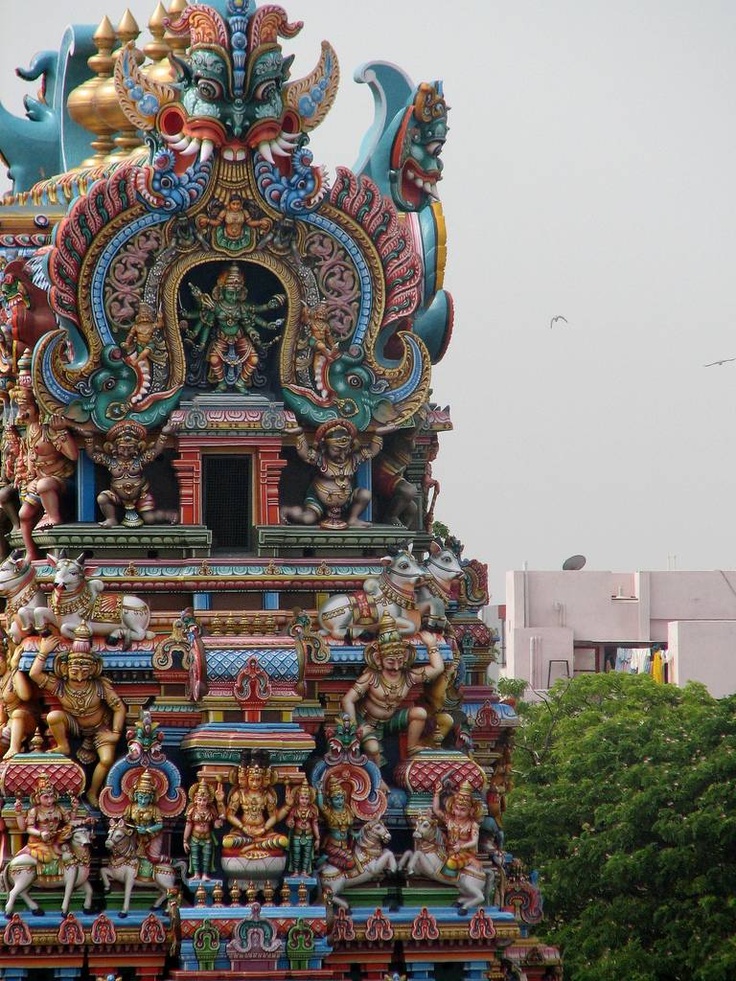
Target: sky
<point>589,174</point>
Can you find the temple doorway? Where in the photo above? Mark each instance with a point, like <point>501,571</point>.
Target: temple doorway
<point>226,500</point>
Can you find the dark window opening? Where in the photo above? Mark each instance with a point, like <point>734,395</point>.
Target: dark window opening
<point>226,500</point>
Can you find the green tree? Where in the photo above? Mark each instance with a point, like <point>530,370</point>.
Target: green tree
<point>625,801</point>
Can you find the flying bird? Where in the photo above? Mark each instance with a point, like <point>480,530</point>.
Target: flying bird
<point>554,320</point>
<point>723,361</point>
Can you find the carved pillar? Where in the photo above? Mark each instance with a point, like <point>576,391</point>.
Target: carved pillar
<point>269,466</point>
<point>189,473</point>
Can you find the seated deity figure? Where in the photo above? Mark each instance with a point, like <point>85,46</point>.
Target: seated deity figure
<point>47,825</point>
<point>89,706</point>
<point>332,498</point>
<point>373,702</point>
<point>460,818</point>
<point>252,811</point>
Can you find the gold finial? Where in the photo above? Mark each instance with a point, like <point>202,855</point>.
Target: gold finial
<point>178,42</point>
<point>82,102</point>
<point>157,50</point>
<point>127,29</point>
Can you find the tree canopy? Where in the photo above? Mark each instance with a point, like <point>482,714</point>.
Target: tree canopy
<point>625,801</point>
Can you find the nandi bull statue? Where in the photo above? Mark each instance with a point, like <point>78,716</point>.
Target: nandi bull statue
<point>21,590</point>
<point>393,591</point>
<point>76,599</point>
<point>442,569</point>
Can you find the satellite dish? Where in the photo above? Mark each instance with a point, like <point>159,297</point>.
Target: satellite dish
<point>574,563</point>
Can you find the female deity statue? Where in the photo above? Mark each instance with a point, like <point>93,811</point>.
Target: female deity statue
<point>301,815</point>
<point>206,811</point>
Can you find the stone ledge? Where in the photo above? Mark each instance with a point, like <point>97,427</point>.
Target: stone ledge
<point>156,541</point>
<point>304,541</point>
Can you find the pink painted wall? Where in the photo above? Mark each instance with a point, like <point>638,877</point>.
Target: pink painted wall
<point>548,613</point>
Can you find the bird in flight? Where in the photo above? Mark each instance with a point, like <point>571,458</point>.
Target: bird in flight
<point>723,361</point>
<point>554,320</point>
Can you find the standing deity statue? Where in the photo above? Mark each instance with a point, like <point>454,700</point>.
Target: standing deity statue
<point>332,498</point>
<point>49,456</point>
<point>302,819</point>
<point>12,473</point>
<point>144,816</point>
<point>397,495</point>
<point>225,331</point>
<point>373,702</point>
<point>125,453</point>
<point>89,706</point>
<point>339,818</point>
<point>144,348</point>
<point>206,811</point>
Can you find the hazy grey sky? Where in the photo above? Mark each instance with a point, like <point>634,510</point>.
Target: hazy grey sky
<point>590,173</point>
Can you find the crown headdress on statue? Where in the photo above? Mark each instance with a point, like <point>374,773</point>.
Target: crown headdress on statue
<point>145,783</point>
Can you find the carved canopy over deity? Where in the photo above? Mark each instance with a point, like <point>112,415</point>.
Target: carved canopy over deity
<point>221,260</point>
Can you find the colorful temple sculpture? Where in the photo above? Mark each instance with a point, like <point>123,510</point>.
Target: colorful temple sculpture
<point>245,727</point>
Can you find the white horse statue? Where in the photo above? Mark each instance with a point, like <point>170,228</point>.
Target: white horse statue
<point>76,599</point>
<point>372,861</point>
<point>474,884</point>
<point>124,866</point>
<point>22,872</point>
<point>393,591</point>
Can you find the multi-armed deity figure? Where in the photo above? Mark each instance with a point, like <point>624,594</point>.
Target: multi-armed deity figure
<point>46,823</point>
<point>224,332</point>
<point>252,809</point>
<point>460,816</point>
<point>125,453</point>
<point>206,811</point>
<point>89,706</point>
<point>373,702</point>
<point>332,498</point>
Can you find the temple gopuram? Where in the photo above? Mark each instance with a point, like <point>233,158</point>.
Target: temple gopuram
<point>245,726</point>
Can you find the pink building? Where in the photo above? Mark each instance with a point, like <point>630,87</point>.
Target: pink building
<point>566,623</point>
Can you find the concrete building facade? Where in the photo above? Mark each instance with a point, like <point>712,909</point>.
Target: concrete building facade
<point>562,624</point>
